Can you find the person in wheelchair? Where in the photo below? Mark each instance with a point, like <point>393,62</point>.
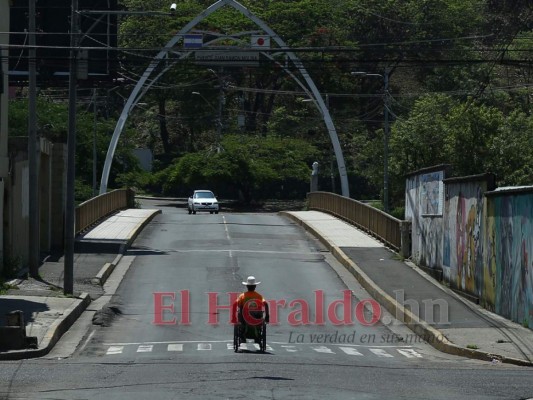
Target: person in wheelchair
<point>251,309</point>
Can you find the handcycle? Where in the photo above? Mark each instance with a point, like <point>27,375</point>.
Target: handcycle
<point>250,327</point>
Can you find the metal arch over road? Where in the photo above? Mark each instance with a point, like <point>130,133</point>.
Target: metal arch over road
<point>137,92</point>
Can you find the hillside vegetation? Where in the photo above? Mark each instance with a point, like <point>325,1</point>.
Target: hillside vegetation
<point>460,92</point>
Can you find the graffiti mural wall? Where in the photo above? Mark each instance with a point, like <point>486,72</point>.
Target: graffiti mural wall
<point>510,253</point>
<point>424,207</point>
<point>481,238</point>
<point>464,217</point>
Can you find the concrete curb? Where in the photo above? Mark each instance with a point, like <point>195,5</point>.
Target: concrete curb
<point>103,274</point>
<point>54,333</point>
<point>138,230</point>
<point>421,328</point>
<point>108,268</point>
<point>106,271</point>
<point>141,197</point>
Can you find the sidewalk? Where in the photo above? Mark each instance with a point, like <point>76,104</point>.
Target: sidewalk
<point>466,329</point>
<point>48,313</point>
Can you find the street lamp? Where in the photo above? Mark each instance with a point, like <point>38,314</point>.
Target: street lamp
<point>386,133</point>
<point>219,117</point>
<point>68,285</point>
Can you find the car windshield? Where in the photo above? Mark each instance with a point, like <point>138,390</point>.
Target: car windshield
<point>204,195</point>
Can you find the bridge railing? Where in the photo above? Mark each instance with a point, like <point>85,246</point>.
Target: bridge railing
<point>92,210</point>
<point>391,231</point>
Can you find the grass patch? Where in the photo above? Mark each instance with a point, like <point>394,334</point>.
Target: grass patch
<point>472,347</point>
<point>398,257</point>
<point>4,287</point>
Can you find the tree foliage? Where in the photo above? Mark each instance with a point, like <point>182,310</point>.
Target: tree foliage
<point>460,93</point>
<point>247,168</point>
<point>53,125</point>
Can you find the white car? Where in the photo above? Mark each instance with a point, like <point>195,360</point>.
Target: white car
<point>202,200</point>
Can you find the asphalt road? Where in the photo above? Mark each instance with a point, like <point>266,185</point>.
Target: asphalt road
<point>143,354</point>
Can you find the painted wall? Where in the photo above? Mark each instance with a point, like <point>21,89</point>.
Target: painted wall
<point>463,222</point>
<point>423,206</point>
<point>483,242</point>
<point>509,255</point>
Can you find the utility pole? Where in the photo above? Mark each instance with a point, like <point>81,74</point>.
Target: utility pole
<point>95,191</point>
<point>386,134</point>
<point>71,154</point>
<point>33,190</point>
<point>221,101</point>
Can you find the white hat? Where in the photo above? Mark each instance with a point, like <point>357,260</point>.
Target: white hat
<point>251,281</point>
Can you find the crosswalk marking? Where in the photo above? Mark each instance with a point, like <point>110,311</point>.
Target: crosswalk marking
<point>409,353</point>
<point>145,348</point>
<point>404,352</point>
<point>323,349</point>
<point>115,350</point>
<point>351,351</point>
<point>290,349</point>
<point>175,347</point>
<point>380,353</point>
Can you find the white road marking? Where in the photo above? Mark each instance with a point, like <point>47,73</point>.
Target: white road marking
<point>148,347</point>
<point>87,341</point>
<point>175,347</point>
<point>409,353</point>
<point>114,350</point>
<point>351,351</point>
<point>145,348</point>
<point>381,353</point>
<point>290,349</point>
<point>169,342</point>
<point>226,229</point>
<point>323,349</point>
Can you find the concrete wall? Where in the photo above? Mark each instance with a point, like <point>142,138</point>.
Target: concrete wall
<point>424,200</point>
<point>51,199</point>
<point>464,234</point>
<point>481,238</point>
<point>58,190</point>
<point>509,253</point>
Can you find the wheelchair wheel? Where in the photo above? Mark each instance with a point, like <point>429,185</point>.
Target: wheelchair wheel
<point>263,338</point>
<point>236,338</point>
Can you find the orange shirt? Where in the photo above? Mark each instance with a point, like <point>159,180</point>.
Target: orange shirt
<point>257,300</point>
<point>253,300</point>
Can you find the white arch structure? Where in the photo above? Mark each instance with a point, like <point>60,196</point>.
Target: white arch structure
<point>138,91</point>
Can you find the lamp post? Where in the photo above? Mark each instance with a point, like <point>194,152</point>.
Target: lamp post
<point>386,133</point>
<point>219,116</point>
<point>33,152</point>
<point>70,208</point>
<point>221,101</point>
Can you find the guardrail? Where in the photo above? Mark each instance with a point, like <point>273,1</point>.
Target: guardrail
<point>93,210</point>
<point>391,231</point>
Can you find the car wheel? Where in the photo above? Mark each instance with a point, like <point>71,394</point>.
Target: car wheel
<point>210,212</point>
